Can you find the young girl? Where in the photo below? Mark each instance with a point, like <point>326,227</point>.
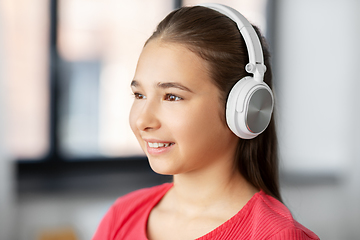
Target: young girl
<point>224,186</point>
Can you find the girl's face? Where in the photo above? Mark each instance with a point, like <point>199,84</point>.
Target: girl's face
<point>177,116</point>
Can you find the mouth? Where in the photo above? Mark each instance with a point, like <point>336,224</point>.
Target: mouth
<point>159,145</point>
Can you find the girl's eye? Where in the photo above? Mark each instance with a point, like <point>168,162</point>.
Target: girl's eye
<point>139,96</point>
<point>172,97</point>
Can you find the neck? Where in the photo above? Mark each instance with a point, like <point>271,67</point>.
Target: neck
<point>216,186</point>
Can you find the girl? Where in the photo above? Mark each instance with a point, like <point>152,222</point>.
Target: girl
<point>224,187</point>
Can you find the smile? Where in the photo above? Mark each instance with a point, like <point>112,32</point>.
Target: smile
<point>159,145</point>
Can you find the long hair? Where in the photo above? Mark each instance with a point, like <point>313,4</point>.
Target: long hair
<point>215,38</point>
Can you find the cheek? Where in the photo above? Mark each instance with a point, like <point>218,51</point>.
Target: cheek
<point>201,123</point>
<point>206,116</point>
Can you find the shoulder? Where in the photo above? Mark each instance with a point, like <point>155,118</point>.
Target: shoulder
<point>274,220</point>
<point>263,217</point>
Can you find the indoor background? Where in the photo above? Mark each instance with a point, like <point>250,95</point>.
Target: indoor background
<point>67,151</point>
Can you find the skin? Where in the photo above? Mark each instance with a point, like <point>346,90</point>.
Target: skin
<point>177,104</point>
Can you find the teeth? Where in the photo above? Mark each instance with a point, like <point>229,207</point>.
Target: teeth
<point>157,145</point>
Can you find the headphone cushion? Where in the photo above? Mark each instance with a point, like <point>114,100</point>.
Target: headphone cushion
<point>249,107</point>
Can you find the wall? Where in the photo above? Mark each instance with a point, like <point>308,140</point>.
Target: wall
<point>316,57</point>
<point>316,60</point>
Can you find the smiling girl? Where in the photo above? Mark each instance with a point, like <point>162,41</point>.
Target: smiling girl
<point>224,187</point>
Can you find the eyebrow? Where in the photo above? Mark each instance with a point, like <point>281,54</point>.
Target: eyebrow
<point>134,83</point>
<point>164,85</point>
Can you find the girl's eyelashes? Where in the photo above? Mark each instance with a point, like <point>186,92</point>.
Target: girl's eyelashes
<point>172,97</point>
<point>167,97</point>
<point>139,95</point>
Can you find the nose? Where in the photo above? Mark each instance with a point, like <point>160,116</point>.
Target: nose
<point>147,119</point>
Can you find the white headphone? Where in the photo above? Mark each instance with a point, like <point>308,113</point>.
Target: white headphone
<point>250,102</point>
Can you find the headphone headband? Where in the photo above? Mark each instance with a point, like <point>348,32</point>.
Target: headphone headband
<point>256,60</point>
<point>250,102</point>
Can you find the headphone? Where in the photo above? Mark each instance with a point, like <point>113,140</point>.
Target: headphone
<point>250,102</point>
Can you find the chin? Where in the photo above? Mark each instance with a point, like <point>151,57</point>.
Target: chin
<point>162,168</point>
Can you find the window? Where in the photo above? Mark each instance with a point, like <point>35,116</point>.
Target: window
<point>99,43</point>
<point>87,51</point>
<point>24,27</point>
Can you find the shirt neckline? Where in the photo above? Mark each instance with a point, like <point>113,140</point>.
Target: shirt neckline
<point>240,214</point>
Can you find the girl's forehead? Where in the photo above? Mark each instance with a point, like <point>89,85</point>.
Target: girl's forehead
<point>167,62</point>
<point>170,51</point>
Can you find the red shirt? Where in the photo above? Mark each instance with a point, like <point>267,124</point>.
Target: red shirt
<point>263,217</point>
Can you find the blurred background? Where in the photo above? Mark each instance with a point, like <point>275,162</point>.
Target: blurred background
<point>67,152</point>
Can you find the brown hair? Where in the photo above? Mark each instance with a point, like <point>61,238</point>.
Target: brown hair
<point>216,38</point>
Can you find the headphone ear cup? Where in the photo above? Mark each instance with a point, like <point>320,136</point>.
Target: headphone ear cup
<point>249,107</point>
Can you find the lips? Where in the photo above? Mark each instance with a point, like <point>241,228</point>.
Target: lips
<point>156,147</point>
<point>159,145</point>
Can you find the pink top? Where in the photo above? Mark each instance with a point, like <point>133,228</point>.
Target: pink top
<point>263,217</point>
